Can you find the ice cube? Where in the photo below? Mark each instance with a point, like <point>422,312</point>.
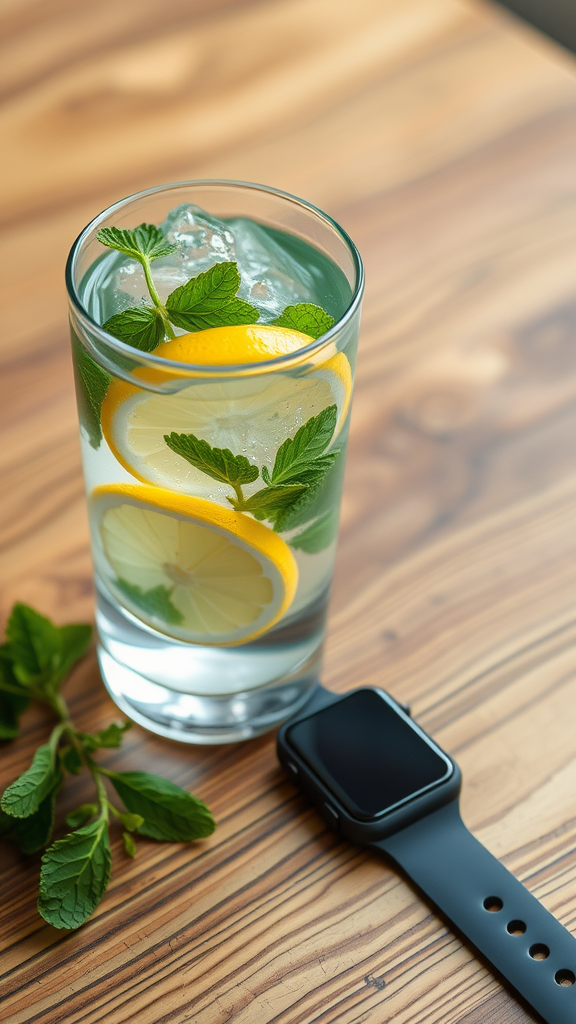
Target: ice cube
<point>168,273</point>
<point>203,240</point>
<point>271,277</point>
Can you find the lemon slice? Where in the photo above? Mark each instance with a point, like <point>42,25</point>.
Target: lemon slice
<point>189,568</point>
<point>233,346</point>
<point>251,416</point>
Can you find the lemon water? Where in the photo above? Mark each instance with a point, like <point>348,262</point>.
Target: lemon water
<point>211,619</point>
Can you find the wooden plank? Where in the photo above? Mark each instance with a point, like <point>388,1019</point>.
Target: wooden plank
<point>441,134</point>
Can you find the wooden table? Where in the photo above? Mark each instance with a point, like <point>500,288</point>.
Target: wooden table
<point>441,134</point>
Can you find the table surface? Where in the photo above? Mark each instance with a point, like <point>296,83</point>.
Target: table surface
<point>441,134</point>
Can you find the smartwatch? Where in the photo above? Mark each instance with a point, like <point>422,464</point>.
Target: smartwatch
<point>381,781</point>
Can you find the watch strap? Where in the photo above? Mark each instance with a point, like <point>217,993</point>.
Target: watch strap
<point>525,944</point>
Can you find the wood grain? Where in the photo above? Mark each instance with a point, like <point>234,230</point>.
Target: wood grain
<point>441,134</point>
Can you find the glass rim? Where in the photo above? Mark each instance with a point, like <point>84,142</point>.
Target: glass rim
<point>149,358</point>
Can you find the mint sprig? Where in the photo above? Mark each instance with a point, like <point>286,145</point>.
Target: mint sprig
<point>145,244</point>
<point>34,660</point>
<point>300,466</point>
<point>207,300</point>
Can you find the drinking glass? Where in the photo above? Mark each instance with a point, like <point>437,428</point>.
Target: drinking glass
<point>211,620</point>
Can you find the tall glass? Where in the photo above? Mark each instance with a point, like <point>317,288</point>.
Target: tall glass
<point>210,614</point>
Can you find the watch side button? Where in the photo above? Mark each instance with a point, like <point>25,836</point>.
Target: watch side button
<point>330,815</point>
<point>292,768</point>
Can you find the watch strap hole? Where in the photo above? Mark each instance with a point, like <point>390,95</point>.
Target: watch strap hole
<point>493,904</point>
<point>565,978</point>
<point>516,927</point>
<point>539,951</point>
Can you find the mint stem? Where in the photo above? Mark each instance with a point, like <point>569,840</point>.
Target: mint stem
<point>156,298</point>
<point>102,794</point>
<point>66,725</point>
<point>6,688</point>
<point>60,708</point>
<point>115,811</point>
<point>55,736</point>
<point>239,493</point>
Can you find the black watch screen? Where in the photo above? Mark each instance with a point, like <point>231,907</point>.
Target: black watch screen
<point>370,755</point>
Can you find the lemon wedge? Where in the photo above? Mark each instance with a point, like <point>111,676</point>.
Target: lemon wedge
<point>188,568</point>
<point>251,416</point>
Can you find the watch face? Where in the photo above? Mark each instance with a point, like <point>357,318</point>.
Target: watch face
<point>370,755</point>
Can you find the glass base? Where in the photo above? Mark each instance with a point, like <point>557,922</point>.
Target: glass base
<point>201,694</point>
<point>201,719</point>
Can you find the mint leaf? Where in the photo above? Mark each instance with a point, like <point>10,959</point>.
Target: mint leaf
<point>311,473</point>
<point>318,535</point>
<point>11,707</point>
<point>322,496</point>
<point>42,653</point>
<point>305,317</point>
<point>25,795</point>
<point>74,876</point>
<point>12,704</point>
<point>33,643</point>
<point>92,383</point>
<point>265,504</point>
<point>297,454</point>
<point>131,821</point>
<point>32,833</point>
<point>234,313</point>
<point>155,602</point>
<point>218,463</point>
<point>208,300</point>
<point>146,241</point>
<point>301,461</point>
<point>111,736</point>
<point>300,512</point>
<point>71,760</point>
<point>81,815</point>
<point>129,844</point>
<point>169,813</point>
<point>139,326</point>
<point>74,642</point>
